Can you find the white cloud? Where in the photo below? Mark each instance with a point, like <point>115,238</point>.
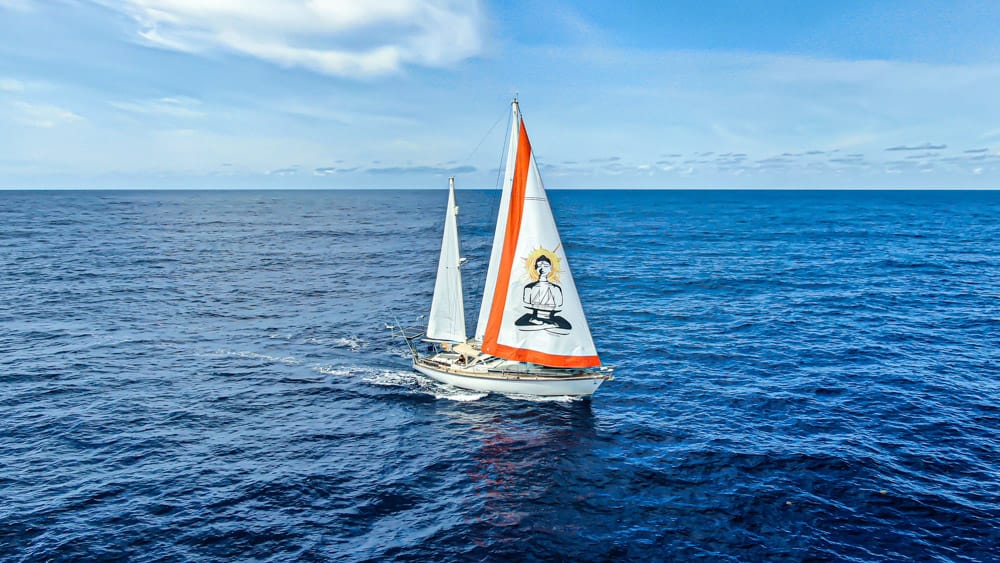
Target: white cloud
<point>42,115</point>
<point>11,85</point>
<point>21,5</point>
<point>350,38</point>
<point>174,107</point>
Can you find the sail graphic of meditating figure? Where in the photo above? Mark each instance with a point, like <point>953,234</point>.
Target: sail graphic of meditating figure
<point>544,299</point>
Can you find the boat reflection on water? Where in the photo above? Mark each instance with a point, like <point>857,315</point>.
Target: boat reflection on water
<point>532,472</point>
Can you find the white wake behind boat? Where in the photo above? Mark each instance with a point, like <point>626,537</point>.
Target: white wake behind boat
<point>532,336</point>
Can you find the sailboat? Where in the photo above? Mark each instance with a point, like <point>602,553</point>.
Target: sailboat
<point>532,336</point>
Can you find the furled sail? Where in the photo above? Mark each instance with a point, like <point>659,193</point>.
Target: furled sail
<point>534,312</point>
<point>447,318</point>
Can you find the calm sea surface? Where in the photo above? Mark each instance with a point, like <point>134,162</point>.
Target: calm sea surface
<point>209,376</point>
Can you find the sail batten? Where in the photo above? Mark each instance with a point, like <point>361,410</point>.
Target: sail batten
<point>447,316</point>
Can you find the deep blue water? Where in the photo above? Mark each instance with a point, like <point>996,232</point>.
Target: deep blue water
<point>208,376</point>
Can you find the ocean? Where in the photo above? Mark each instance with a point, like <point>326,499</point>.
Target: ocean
<point>209,376</point>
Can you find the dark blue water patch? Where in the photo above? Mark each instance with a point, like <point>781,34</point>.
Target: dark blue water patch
<point>208,375</point>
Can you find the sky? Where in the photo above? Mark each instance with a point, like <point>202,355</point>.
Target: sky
<point>404,93</point>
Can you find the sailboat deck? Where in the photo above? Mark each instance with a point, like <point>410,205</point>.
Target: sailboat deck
<point>504,369</point>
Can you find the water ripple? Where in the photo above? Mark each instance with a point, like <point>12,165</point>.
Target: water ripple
<point>208,376</point>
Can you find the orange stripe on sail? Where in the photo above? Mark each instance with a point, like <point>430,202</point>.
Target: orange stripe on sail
<point>551,360</point>
<point>509,241</point>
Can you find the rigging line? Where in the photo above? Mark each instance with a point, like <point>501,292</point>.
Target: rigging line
<point>503,148</point>
<point>481,141</point>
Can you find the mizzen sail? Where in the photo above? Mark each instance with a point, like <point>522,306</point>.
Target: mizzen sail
<point>447,318</point>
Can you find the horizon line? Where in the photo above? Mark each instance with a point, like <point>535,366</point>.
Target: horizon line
<point>375,188</point>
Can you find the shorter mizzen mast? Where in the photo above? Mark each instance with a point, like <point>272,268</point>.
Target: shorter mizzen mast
<point>447,318</point>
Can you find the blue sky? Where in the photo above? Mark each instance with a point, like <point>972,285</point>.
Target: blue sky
<point>403,93</point>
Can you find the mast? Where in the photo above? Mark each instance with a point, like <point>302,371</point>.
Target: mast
<point>447,317</point>
<point>498,234</point>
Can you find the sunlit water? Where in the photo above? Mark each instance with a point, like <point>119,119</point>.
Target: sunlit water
<point>209,376</point>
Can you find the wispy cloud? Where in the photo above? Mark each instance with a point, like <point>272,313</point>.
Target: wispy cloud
<point>422,170</point>
<point>175,107</point>
<point>331,170</point>
<point>11,85</point>
<point>923,147</point>
<point>43,115</point>
<point>342,38</point>
<point>730,161</point>
<point>984,156</point>
<point>852,159</point>
<point>21,5</point>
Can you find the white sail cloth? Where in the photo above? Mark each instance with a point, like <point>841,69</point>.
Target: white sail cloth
<point>531,310</point>
<point>447,317</point>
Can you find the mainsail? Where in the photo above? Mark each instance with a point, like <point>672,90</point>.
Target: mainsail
<point>531,309</point>
<point>447,318</point>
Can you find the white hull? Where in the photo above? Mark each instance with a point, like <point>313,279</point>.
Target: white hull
<point>581,384</point>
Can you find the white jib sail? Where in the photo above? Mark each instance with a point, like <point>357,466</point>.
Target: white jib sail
<point>536,315</point>
<point>447,318</point>
<point>498,234</point>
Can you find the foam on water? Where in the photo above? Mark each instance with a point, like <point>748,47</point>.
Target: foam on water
<point>287,360</point>
<point>447,392</point>
<point>394,378</point>
<point>353,342</point>
<point>403,379</point>
<point>543,398</point>
<point>336,371</point>
<point>414,381</point>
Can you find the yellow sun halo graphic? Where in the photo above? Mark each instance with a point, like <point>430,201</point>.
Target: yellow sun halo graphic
<point>529,264</point>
